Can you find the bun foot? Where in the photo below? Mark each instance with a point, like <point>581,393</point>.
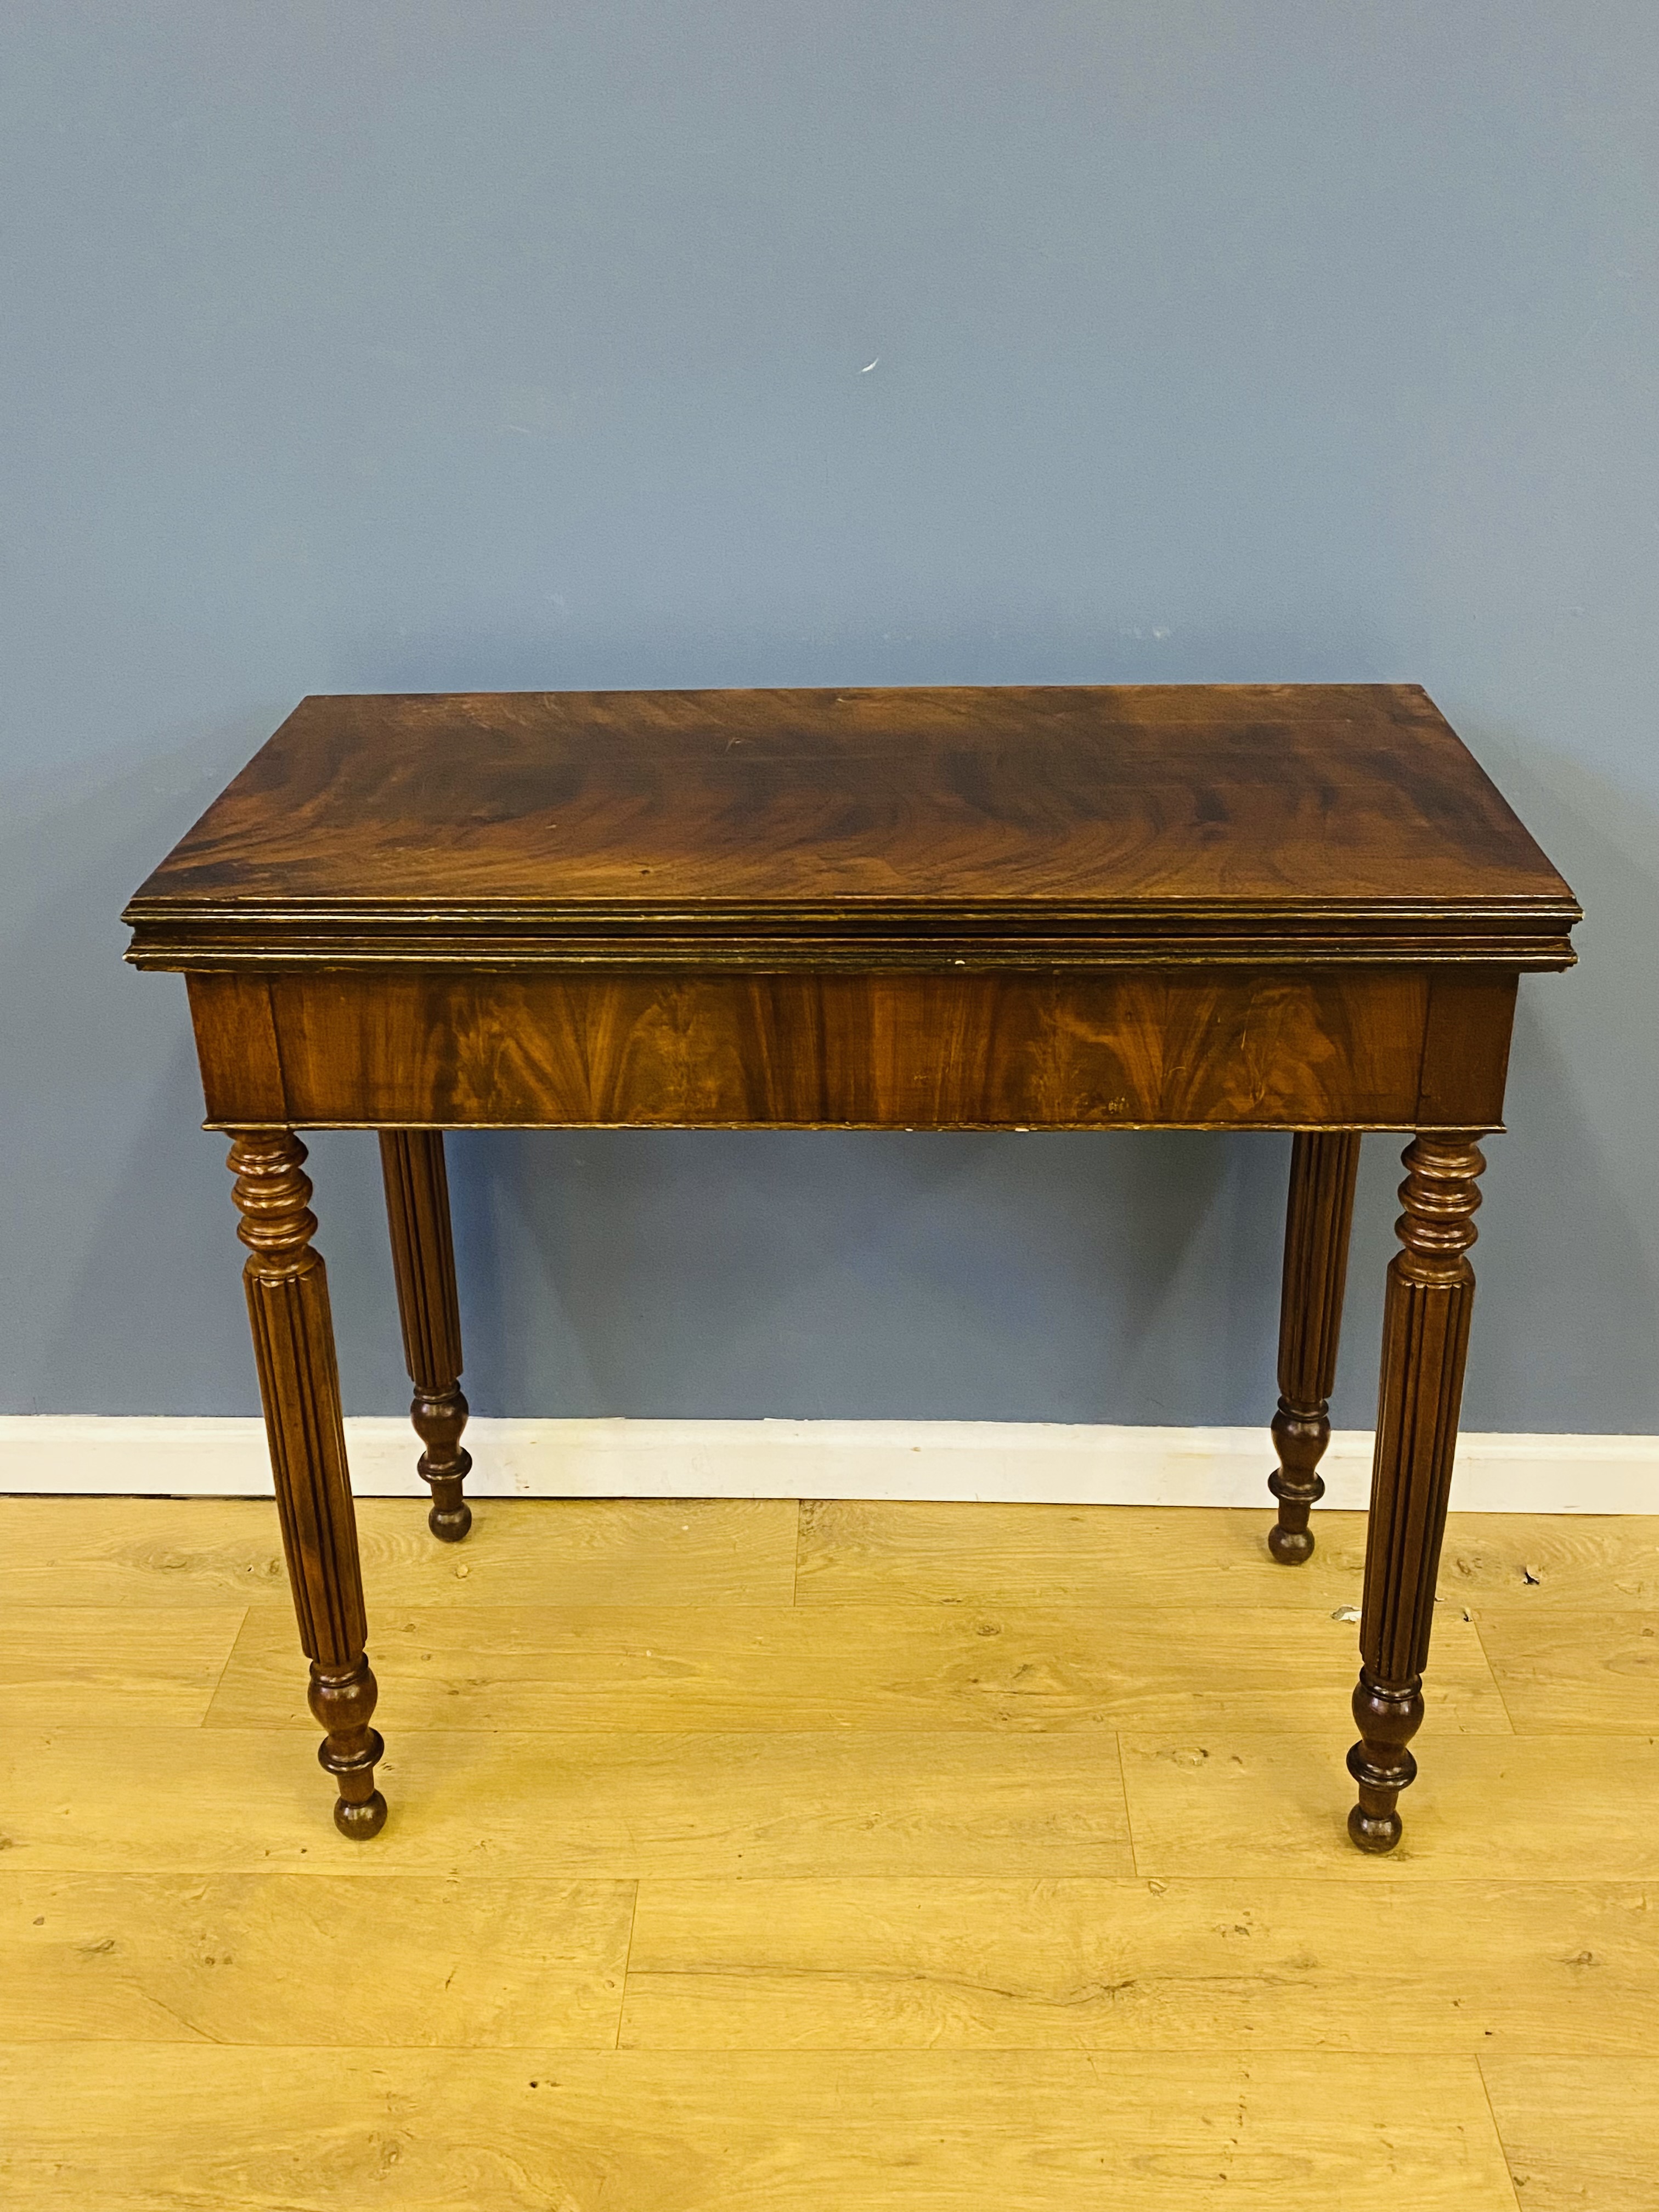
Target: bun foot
<point>1380,1763</point>
<point>449,1522</point>
<point>360,1809</point>
<point>351,1750</point>
<point>451,1515</point>
<point>1290,1547</point>
<point>361,1821</point>
<point>1291,1540</point>
<point>1374,1832</point>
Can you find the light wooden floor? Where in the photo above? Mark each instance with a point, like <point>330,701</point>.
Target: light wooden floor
<point>745,1857</point>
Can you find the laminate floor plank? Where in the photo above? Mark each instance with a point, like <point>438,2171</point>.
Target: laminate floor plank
<point>413,2131</point>
<point>491,1960</point>
<point>896,1551</point>
<point>927,1856</point>
<point>1534,1563</point>
<point>912,1551</point>
<point>1582,2134</point>
<point>194,1552</point>
<point>161,1801</point>
<point>1579,1673</point>
<point>1482,1807</point>
<point>1236,1964</point>
<point>93,1664</point>
<point>140,1552</point>
<point>834,1668</point>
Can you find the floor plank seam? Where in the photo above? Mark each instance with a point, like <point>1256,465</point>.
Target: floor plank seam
<point>207,1721</point>
<point>1497,1681</point>
<point>1497,2127</point>
<point>224,1666</point>
<point>1128,1817</point>
<point>628,1967</point>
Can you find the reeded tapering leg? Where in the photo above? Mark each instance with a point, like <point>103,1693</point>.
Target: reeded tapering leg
<point>294,1343</point>
<point>1323,1165</point>
<point>423,1257</point>
<point>1426,1336</point>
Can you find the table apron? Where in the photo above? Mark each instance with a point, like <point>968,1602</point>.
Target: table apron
<point>1177,1047</point>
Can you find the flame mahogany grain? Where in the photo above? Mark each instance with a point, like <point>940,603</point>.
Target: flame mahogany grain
<point>1122,1047</point>
<point>1059,825</point>
<point>1262,906</point>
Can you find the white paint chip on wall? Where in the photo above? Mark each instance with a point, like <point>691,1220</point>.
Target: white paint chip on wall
<point>50,1454</point>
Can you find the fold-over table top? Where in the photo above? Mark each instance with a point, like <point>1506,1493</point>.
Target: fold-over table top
<point>1030,826</point>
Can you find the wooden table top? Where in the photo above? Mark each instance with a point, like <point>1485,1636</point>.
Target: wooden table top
<point>1030,826</point>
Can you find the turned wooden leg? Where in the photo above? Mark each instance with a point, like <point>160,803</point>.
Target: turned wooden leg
<point>294,1343</point>
<point>423,1256</point>
<point>1426,1336</point>
<point>1323,1165</point>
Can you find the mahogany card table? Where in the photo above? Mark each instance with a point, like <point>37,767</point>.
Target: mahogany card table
<point>1300,908</point>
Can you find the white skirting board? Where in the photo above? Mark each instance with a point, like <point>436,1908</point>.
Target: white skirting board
<point>1034,1461</point>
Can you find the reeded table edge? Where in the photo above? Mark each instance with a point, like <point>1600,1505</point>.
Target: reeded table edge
<point>1530,934</point>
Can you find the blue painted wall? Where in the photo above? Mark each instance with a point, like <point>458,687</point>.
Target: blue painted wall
<point>412,346</point>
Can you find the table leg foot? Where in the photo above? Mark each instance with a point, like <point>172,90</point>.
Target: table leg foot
<point>1375,1832</point>
<point>351,1749</point>
<point>1380,1763</point>
<point>1290,1540</point>
<point>444,1463</point>
<point>1318,1214</point>
<point>449,1522</point>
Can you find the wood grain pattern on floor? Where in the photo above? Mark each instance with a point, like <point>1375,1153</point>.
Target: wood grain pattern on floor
<point>1582,2134</point>
<point>92,1664</point>
<point>142,1551</point>
<point>1251,1963</point>
<point>1577,1674</point>
<point>158,1801</point>
<point>881,1551</point>
<point>258,1958</point>
<point>687,1669</point>
<point>952,2131</point>
<point>895,1855</point>
<point>1505,1808</point>
<point>915,1551</point>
